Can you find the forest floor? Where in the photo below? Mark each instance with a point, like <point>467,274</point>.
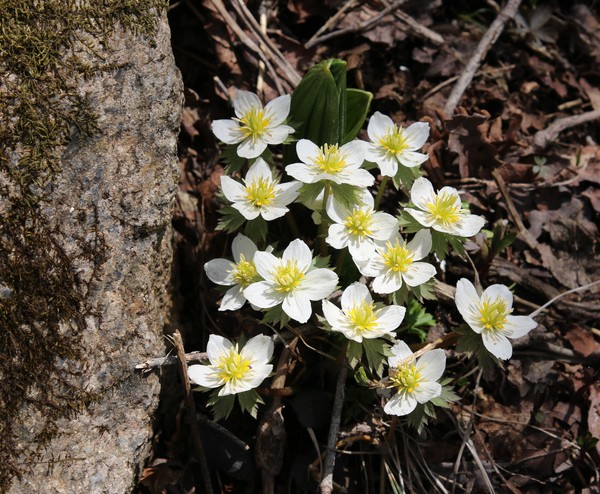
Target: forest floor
<point>529,426</point>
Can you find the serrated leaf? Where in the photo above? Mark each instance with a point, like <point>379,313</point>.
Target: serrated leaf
<point>234,163</point>
<point>309,192</point>
<point>249,401</point>
<point>221,405</point>
<point>405,176</point>
<point>376,351</point>
<point>357,107</point>
<point>354,353</point>
<point>348,195</point>
<point>231,219</point>
<point>275,315</point>
<point>256,230</point>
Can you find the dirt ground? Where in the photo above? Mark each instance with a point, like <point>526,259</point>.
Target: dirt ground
<point>529,426</point>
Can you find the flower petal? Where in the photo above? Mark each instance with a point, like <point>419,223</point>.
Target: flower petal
<point>258,349</point>
<point>251,148</point>
<point>297,305</point>
<point>278,134</point>
<point>286,193</point>
<point>257,376</point>
<point>410,159</point>
<point>233,299</point>
<point>301,172</point>
<point>220,271</point>
<point>420,245</point>
<point>204,375</point>
<point>270,213</point>
<point>495,292</point>
<point>418,273</point>
<point>277,110</point>
<point>243,245</point>
<point>518,326</point>
<point>266,264</point>
<point>467,302</point>
<point>337,211</point>
<point>469,225</point>
<point>384,226</point>
<point>389,318</point>
<point>388,167</point>
<point>297,251</point>
<point>425,219</point>
<point>307,151</point>
<point>355,294</point>
<point>216,347</point>
<point>227,131</point>
<point>247,210</point>
<point>400,404</point>
<point>338,236</point>
<point>416,135</point>
<point>263,295</point>
<point>232,190</point>
<point>318,283</point>
<point>379,125</point>
<point>431,364</point>
<point>427,390</point>
<point>388,283</point>
<point>497,344</point>
<point>335,317</point>
<point>422,193</point>
<point>361,248</point>
<point>259,170</point>
<point>245,101</point>
<point>354,152</point>
<point>400,351</point>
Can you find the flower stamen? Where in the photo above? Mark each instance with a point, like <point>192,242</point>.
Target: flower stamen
<point>493,314</point>
<point>406,378</point>
<point>254,123</point>
<point>287,277</point>
<point>232,366</point>
<point>394,142</point>
<point>397,257</point>
<point>260,192</point>
<point>330,159</point>
<point>359,222</point>
<point>445,208</point>
<point>362,317</point>
<point>245,272</point>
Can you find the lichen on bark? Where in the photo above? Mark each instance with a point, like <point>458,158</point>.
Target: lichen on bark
<point>43,53</point>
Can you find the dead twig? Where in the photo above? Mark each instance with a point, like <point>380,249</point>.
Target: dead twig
<point>169,360</point>
<point>543,137</point>
<point>363,26</point>
<point>418,29</point>
<point>190,408</point>
<point>561,295</point>
<point>489,38</point>
<point>332,21</point>
<point>326,486</point>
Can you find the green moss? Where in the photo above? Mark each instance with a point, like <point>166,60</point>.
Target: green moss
<point>42,57</point>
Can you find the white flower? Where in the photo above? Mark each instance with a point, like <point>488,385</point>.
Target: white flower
<point>236,371</point>
<point>340,165</point>
<point>290,281</point>
<point>442,211</point>
<point>395,262</point>
<point>489,315</point>
<point>240,273</point>
<point>261,194</point>
<point>255,126</point>
<point>392,145</point>
<point>358,227</point>
<point>359,318</point>
<point>414,381</point>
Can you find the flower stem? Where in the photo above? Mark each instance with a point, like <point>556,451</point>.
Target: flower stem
<point>381,190</point>
<point>291,221</point>
<point>323,226</point>
<point>340,260</point>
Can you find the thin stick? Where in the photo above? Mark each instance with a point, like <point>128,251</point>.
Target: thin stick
<point>326,485</point>
<point>380,191</point>
<point>545,136</point>
<point>489,38</point>
<point>561,295</point>
<point>417,28</point>
<point>170,360</point>
<point>191,412</point>
<point>260,80</point>
<point>352,29</point>
<point>332,20</point>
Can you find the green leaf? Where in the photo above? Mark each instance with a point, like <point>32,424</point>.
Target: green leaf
<point>354,353</point>
<point>377,351</point>
<point>357,107</point>
<point>231,219</point>
<point>275,315</point>
<point>405,176</point>
<point>234,163</point>
<point>249,401</point>
<point>310,192</point>
<point>348,195</point>
<point>417,320</point>
<point>318,109</point>
<point>256,230</point>
<point>221,405</point>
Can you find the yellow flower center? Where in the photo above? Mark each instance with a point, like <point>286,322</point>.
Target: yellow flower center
<point>232,366</point>
<point>330,159</point>
<point>397,257</point>
<point>406,378</point>
<point>394,141</point>
<point>362,317</point>
<point>260,192</point>
<point>245,272</point>
<point>254,123</point>
<point>287,277</point>
<point>445,208</point>
<point>493,314</point>
<point>359,222</point>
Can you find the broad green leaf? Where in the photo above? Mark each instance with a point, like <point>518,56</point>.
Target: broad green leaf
<point>357,106</point>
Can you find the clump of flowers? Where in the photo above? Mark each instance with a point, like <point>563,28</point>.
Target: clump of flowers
<point>295,271</point>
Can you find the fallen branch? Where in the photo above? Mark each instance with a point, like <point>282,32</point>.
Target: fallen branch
<point>489,38</point>
<point>543,137</point>
<point>417,28</point>
<point>170,360</point>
